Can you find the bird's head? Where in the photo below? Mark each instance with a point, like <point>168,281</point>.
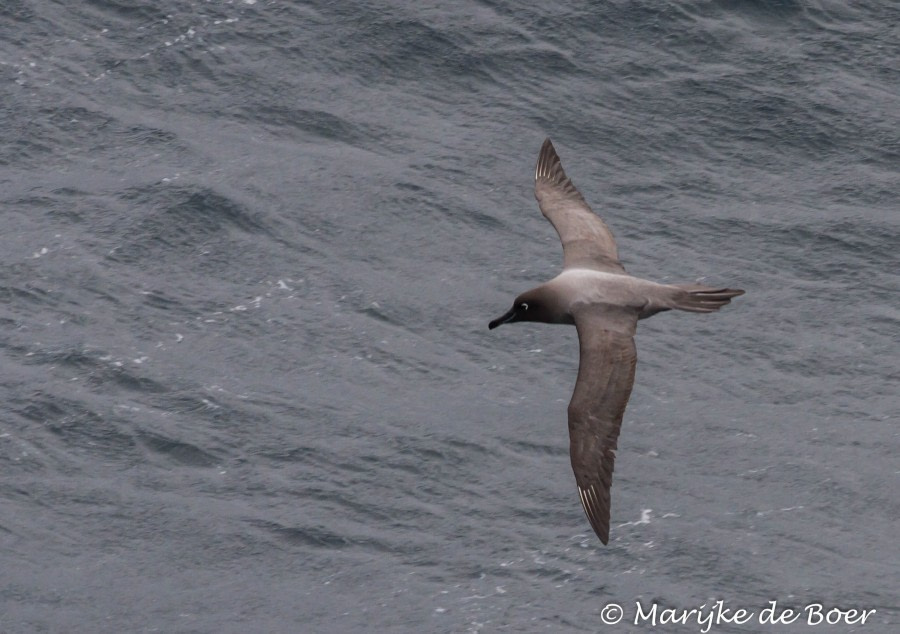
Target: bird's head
<point>530,306</point>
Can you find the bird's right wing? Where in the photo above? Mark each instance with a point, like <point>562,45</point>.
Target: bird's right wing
<point>587,241</point>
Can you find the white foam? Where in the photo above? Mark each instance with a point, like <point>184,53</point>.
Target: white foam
<point>645,519</point>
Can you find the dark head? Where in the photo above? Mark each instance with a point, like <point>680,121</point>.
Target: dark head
<point>535,305</point>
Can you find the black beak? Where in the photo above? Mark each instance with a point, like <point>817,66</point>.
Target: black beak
<point>505,319</point>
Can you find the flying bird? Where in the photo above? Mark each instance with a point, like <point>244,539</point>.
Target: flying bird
<point>604,303</point>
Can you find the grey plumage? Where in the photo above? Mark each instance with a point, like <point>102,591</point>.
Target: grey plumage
<point>594,293</point>
<point>587,241</point>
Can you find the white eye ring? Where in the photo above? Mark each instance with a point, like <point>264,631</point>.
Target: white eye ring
<point>523,305</point>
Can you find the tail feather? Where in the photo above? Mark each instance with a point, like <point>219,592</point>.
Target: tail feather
<point>703,299</point>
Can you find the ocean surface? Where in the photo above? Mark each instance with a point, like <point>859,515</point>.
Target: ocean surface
<point>249,254</point>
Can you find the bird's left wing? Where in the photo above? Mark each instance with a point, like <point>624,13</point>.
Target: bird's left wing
<point>605,376</point>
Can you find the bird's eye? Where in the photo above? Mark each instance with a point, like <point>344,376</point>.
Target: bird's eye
<point>523,306</point>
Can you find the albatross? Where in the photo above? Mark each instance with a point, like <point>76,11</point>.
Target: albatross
<point>604,303</point>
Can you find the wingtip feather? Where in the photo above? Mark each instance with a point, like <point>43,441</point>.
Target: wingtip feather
<point>594,509</point>
<point>549,169</point>
<point>547,158</point>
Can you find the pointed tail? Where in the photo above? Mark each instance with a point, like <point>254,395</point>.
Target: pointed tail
<point>703,299</point>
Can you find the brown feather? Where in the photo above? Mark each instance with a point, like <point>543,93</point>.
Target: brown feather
<point>587,241</point>
<point>605,378</point>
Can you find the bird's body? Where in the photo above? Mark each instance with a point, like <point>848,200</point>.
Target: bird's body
<point>594,293</point>
<point>586,287</point>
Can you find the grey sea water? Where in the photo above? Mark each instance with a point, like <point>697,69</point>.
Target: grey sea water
<point>250,250</point>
